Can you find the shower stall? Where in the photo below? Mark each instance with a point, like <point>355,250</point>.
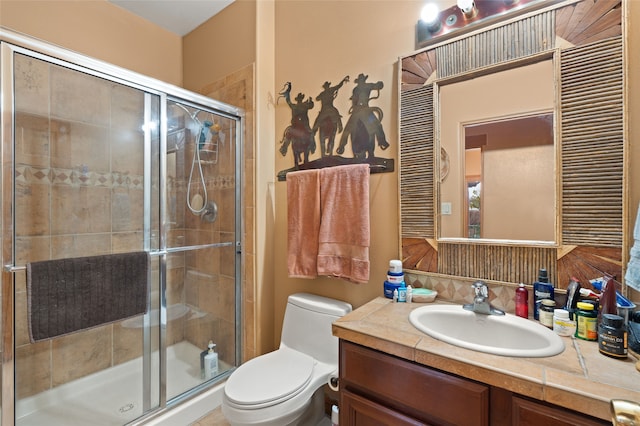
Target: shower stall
<point>98,160</point>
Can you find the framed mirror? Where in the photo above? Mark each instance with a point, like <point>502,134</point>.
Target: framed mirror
<point>580,44</point>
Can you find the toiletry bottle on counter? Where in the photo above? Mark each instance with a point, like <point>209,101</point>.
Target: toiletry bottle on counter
<point>402,293</point>
<point>395,276</point>
<point>211,362</point>
<point>547,308</point>
<point>612,336</point>
<point>395,273</point>
<point>573,295</point>
<point>608,303</point>
<point>586,321</point>
<point>562,324</point>
<point>522,301</point>
<point>542,289</point>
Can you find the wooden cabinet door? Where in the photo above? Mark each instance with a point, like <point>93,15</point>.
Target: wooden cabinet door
<point>530,413</point>
<point>358,411</point>
<point>415,390</point>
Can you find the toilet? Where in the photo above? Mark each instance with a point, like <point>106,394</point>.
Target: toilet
<point>285,387</point>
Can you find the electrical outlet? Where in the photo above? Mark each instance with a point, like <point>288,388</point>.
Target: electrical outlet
<point>445,208</point>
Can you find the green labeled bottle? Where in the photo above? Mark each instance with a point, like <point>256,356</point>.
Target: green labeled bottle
<point>586,321</point>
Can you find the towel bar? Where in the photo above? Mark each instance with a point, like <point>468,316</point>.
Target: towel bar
<point>376,165</point>
<point>13,268</point>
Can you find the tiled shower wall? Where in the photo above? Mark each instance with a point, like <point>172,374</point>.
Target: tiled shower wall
<point>204,279</point>
<point>237,89</point>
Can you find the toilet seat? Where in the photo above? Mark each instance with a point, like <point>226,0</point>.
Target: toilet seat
<point>269,379</point>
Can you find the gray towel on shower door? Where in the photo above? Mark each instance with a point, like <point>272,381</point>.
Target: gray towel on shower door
<point>68,295</point>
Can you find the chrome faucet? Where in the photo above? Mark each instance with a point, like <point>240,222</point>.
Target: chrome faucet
<point>481,303</point>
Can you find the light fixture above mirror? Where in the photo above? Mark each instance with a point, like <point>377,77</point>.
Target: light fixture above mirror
<point>434,26</point>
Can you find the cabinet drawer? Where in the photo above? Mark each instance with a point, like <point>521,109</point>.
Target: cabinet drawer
<point>525,412</point>
<point>422,393</point>
<point>358,411</point>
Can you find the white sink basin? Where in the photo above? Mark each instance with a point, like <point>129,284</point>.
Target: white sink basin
<point>506,335</point>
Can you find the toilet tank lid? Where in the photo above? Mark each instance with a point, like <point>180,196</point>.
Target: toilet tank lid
<point>321,304</point>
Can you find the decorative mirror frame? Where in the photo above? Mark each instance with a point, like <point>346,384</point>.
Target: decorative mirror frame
<point>587,40</point>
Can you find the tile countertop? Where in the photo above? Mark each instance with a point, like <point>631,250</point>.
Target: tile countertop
<point>580,378</point>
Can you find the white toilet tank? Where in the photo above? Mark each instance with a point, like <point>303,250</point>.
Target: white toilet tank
<point>307,325</point>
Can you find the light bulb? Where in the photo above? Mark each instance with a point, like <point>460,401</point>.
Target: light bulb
<point>468,8</point>
<point>465,5</point>
<point>429,13</point>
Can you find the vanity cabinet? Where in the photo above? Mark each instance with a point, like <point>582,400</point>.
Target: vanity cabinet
<point>380,389</point>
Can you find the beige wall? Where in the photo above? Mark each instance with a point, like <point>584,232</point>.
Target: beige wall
<point>220,46</point>
<point>325,41</point>
<point>100,30</point>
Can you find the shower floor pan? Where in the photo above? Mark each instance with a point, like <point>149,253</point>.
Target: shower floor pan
<point>112,396</point>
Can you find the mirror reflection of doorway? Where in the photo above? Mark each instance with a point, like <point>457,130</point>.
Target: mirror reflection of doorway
<point>473,181</point>
<point>474,218</point>
<point>512,161</point>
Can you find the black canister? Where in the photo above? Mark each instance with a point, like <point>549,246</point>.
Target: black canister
<point>612,336</point>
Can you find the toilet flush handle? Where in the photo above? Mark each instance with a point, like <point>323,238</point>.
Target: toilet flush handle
<point>333,382</point>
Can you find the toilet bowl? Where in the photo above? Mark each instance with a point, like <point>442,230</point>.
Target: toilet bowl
<point>285,387</point>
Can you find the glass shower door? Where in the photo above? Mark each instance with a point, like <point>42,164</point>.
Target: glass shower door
<point>82,189</point>
<point>200,244</point>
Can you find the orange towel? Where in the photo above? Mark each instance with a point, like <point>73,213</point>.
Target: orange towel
<point>303,211</point>
<point>343,242</point>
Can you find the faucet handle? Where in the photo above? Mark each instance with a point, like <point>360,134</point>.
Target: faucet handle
<point>480,289</point>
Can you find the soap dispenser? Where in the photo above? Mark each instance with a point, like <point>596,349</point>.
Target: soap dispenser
<point>211,362</point>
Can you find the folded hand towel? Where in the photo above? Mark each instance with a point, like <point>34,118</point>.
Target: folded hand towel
<point>303,211</point>
<point>68,295</point>
<point>343,249</point>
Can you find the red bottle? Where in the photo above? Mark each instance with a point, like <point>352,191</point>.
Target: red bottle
<point>522,301</point>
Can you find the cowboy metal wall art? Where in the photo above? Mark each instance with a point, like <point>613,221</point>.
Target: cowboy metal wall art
<point>363,128</point>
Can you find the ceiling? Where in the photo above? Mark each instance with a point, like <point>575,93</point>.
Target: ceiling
<point>177,16</point>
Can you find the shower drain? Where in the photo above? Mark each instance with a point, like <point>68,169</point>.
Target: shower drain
<point>126,407</point>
